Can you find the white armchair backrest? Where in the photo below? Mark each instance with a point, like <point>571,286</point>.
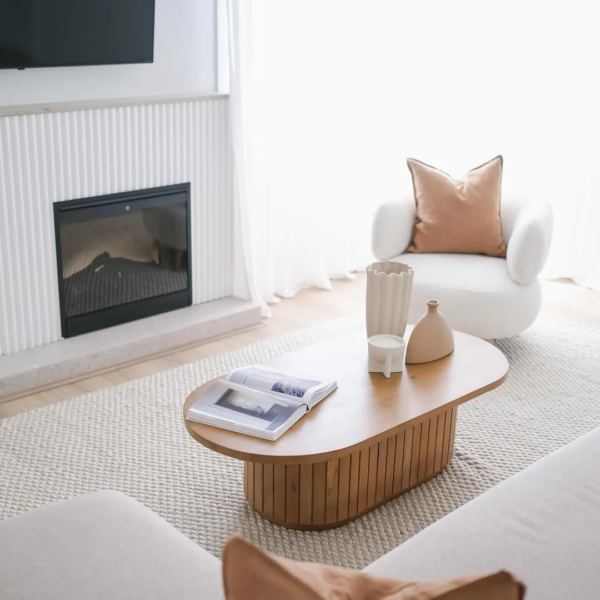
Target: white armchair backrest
<point>530,221</point>
<point>392,228</point>
<point>510,207</point>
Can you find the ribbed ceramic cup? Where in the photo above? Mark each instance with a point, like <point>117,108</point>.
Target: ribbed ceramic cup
<point>389,286</point>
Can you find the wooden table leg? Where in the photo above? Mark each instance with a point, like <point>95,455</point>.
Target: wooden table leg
<point>328,494</point>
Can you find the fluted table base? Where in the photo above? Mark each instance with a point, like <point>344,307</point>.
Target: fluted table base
<point>324,495</point>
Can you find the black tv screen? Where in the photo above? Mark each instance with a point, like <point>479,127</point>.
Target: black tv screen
<point>55,33</point>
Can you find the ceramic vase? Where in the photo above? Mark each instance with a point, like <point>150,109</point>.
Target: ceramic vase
<point>389,285</point>
<point>431,338</point>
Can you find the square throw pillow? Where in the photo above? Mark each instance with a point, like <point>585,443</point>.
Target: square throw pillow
<point>251,574</point>
<point>458,216</point>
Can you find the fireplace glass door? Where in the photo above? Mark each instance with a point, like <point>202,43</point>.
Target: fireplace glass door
<point>122,257</point>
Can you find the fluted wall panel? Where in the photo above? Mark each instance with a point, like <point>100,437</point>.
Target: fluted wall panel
<point>51,157</point>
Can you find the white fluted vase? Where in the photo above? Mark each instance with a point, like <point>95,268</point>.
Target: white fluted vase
<point>389,286</point>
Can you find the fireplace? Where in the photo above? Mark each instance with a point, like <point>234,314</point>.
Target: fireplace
<point>122,257</point>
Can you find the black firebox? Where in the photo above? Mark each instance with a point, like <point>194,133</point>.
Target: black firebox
<point>123,257</point>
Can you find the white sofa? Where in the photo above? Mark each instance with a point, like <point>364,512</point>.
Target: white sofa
<point>102,546</point>
<point>543,524</point>
<point>487,297</point>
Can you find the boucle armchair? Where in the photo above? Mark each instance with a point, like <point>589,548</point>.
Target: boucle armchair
<point>487,297</point>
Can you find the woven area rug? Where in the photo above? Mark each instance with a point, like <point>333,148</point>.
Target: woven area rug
<point>131,438</point>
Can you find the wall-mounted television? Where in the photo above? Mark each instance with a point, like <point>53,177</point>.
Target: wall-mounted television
<point>61,33</point>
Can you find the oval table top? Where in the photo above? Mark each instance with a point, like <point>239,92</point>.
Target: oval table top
<point>366,407</point>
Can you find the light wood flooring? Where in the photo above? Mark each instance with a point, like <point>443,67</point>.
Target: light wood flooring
<point>562,299</point>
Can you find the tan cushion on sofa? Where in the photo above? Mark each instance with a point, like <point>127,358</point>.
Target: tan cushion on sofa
<point>461,216</point>
<point>102,546</point>
<point>543,524</point>
<point>251,574</point>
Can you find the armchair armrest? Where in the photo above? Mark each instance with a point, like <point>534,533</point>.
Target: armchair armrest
<point>393,224</point>
<point>529,242</point>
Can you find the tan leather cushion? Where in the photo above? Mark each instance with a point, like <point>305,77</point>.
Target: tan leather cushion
<point>251,574</point>
<point>461,216</point>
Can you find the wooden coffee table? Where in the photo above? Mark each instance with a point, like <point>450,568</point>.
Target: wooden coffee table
<point>368,442</point>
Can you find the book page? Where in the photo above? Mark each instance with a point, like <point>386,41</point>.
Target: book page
<point>273,382</point>
<point>266,410</point>
<point>244,407</point>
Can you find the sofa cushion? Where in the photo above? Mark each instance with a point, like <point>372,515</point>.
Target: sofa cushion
<point>476,293</point>
<point>543,524</point>
<point>99,546</point>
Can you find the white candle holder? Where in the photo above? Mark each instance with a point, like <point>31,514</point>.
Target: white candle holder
<point>386,354</point>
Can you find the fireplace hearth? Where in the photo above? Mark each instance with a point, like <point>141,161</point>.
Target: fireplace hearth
<point>122,257</point>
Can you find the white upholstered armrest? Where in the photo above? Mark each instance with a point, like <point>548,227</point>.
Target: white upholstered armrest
<point>392,228</point>
<point>529,242</point>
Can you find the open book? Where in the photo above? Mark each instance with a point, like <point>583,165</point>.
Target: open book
<point>258,401</point>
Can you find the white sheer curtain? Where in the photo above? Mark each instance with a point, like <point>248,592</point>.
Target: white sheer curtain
<point>343,91</point>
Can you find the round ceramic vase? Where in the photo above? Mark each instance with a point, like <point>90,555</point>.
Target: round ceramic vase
<point>389,286</point>
<point>432,337</point>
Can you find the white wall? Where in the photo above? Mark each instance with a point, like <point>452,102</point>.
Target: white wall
<point>185,61</point>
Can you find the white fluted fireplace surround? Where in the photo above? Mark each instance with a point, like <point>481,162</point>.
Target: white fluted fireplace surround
<point>54,155</point>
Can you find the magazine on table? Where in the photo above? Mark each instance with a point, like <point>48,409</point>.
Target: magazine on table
<point>258,401</point>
